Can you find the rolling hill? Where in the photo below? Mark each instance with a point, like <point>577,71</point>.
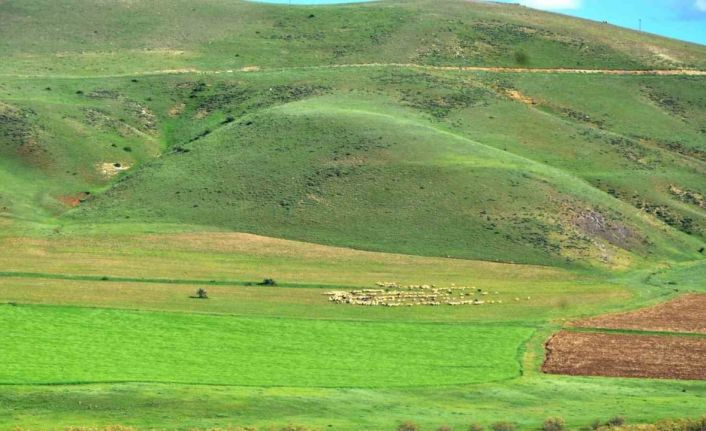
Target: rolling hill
<point>148,148</point>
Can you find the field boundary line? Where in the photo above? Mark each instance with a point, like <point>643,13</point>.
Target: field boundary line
<point>600,330</point>
<point>120,279</point>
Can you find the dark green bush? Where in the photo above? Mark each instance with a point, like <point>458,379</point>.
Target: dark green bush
<point>268,282</point>
<point>521,57</point>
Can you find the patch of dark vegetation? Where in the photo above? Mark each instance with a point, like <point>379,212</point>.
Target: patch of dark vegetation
<point>440,105</point>
<point>433,94</point>
<point>680,147</point>
<point>103,119</point>
<point>241,98</point>
<point>582,117</point>
<point>665,213</point>
<point>142,115</point>
<point>200,135</point>
<point>629,149</point>
<point>20,135</point>
<point>267,282</point>
<point>16,125</point>
<point>102,93</point>
<point>689,196</point>
<point>666,101</point>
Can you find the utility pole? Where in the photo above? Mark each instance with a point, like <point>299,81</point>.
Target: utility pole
<point>640,25</point>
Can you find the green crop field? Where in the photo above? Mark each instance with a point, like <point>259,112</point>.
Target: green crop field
<point>554,167</point>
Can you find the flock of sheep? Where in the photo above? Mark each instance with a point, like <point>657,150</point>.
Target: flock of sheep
<point>390,294</point>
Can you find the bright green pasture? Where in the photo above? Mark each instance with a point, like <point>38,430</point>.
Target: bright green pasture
<point>527,402</point>
<point>50,345</point>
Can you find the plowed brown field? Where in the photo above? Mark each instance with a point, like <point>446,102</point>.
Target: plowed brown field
<point>684,314</point>
<point>626,355</point>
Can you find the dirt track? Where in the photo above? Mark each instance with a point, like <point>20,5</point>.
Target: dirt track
<point>626,355</point>
<point>256,69</point>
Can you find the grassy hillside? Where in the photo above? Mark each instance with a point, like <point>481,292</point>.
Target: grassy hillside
<point>128,37</point>
<point>152,148</point>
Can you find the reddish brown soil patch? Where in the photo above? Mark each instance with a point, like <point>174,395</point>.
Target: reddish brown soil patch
<point>74,200</point>
<point>626,355</point>
<point>684,314</point>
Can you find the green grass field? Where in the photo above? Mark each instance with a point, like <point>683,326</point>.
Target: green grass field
<point>152,148</point>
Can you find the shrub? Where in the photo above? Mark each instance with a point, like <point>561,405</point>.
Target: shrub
<point>503,426</point>
<point>408,426</point>
<point>697,425</point>
<point>475,427</point>
<point>616,421</point>
<point>554,424</point>
<point>201,293</point>
<point>268,282</point>
<point>596,424</point>
<point>521,57</point>
<point>444,428</point>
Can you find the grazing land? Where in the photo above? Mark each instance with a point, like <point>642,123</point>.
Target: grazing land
<point>187,187</point>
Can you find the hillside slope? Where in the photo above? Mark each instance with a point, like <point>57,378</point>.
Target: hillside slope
<point>80,37</point>
<point>112,125</point>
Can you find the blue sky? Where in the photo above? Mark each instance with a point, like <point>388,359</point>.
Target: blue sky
<point>679,19</point>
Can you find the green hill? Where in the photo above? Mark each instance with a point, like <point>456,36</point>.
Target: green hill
<point>500,166</point>
<point>149,148</point>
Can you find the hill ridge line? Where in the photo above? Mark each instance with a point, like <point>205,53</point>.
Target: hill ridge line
<point>492,69</point>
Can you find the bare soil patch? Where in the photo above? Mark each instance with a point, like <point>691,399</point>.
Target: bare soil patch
<point>626,355</point>
<point>684,314</point>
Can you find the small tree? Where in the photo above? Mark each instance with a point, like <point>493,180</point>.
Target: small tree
<point>201,293</point>
<point>408,426</point>
<point>554,424</point>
